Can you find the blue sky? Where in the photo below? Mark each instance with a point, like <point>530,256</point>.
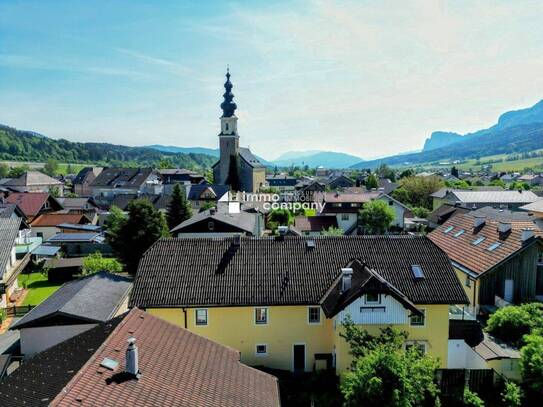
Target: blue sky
<point>364,77</point>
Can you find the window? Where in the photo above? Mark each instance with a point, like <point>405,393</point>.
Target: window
<point>39,234</point>
<point>372,298</point>
<point>344,216</point>
<point>261,316</point>
<point>468,281</point>
<point>314,315</point>
<point>417,271</point>
<point>226,126</point>
<point>261,349</point>
<point>210,225</point>
<point>478,240</point>
<point>418,320</point>
<point>459,233</point>
<point>448,229</point>
<point>493,246</point>
<point>201,317</point>
<point>417,346</point>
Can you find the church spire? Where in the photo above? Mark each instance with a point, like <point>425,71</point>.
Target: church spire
<point>228,106</point>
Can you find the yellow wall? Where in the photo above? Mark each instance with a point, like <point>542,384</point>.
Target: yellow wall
<point>235,327</point>
<point>435,333</point>
<point>510,368</point>
<point>474,287</point>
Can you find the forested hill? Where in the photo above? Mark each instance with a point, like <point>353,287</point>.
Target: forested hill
<point>18,145</point>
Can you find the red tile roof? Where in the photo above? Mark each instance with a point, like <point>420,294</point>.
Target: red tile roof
<point>54,219</point>
<point>178,368</point>
<point>29,202</point>
<point>476,257</point>
<point>314,223</point>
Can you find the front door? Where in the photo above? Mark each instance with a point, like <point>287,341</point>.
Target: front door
<point>299,358</point>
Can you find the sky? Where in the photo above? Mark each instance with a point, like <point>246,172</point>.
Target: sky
<point>369,78</point>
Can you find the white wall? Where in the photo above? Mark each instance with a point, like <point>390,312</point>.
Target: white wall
<point>399,212</point>
<point>394,313</point>
<point>461,356</point>
<point>48,231</point>
<point>34,340</point>
<point>345,225</point>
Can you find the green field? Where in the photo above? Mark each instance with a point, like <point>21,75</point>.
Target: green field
<point>62,167</point>
<point>39,288</point>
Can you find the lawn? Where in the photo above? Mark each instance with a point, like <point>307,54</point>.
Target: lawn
<point>39,288</point>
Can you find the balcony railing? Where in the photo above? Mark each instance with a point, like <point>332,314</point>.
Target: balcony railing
<point>462,313</point>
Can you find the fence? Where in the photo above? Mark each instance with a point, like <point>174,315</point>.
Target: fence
<point>18,311</point>
<point>485,382</point>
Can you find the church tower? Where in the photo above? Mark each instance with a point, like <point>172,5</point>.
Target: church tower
<point>228,137</point>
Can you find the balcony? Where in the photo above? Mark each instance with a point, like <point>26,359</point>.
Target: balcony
<point>462,313</point>
<point>24,245</point>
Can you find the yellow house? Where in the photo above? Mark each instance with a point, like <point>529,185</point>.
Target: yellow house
<point>281,301</point>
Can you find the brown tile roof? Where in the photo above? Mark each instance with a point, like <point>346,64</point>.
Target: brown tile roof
<point>333,197</point>
<point>33,178</point>
<point>476,257</point>
<point>29,202</point>
<point>178,368</point>
<point>54,219</point>
<point>269,271</point>
<point>314,223</point>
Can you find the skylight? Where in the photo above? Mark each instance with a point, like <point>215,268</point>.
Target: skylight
<point>460,232</point>
<point>478,240</point>
<point>417,271</point>
<point>448,229</point>
<point>494,246</point>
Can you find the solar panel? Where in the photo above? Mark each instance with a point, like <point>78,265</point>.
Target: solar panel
<point>448,229</point>
<point>478,240</point>
<point>494,246</point>
<point>417,271</point>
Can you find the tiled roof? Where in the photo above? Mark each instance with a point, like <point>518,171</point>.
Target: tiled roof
<point>76,203</point>
<point>122,177</point>
<point>94,298</point>
<point>336,197</point>
<point>314,223</point>
<point>195,191</point>
<point>503,215</point>
<point>7,210</point>
<point>249,157</point>
<point>178,368</point>
<point>29,202</point>
<point>477,258</point>
<point>444,212</point>
<point>493,197</point>
<point>243,220</point>
<point>536,206</point>
<point>33,178</point>
<point>54,219</point>
<point>491,349</point>
<point>9,230</point>
<point>267,271</point>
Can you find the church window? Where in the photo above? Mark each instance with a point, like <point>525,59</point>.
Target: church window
<point>226,126</point>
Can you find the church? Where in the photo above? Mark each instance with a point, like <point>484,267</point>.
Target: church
<point>237,166</point>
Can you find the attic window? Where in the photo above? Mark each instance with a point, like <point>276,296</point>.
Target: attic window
<point>459,233</point>
<point>478,240</point>
<point>448,229</point>
<point>310,244</point>
<point>493,246</point>
<point>417,271</point>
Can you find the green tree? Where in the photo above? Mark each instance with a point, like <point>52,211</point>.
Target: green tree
<point>471,399</point>
<point>179,209</point>
<point>418,190</point>
<point>114,222</point>
<point>233,174</point>
<point>207,205</point>
<point>165,163</point>
<point>144,226</point>
<point>51,167</point>
<point>384,171</point>
<point>54,191</point>
<point>95,263</point>
<point>420,212</point>
<point>282,217</point>
<point>407,173</point>
<point>376,216</point>
<point>512,395</point>
<point>513,322</point>
<point>4,170</point>
<point>371,182</point>
<point>454,172</point>
<point>497,183</point>
<point>531,361</point>
<point>16,172</point>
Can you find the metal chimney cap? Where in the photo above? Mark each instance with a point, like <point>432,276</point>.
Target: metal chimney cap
<point>131,340</point>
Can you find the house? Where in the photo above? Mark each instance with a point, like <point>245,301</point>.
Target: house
<point>123,362</point>
<point>281,301</point>
<point>282,182</point>
<point>80,244</point>
<point>76,307</point>
<point>532,179</point>
<point>443,212</point>
<point>338,181</point>
<point>220,222</point>
<point>33,204</point>
<point>170,177</point>
<point>534,208</point>
<point>496,261</point>
<point>509,177</point>
<point>46,225</point>
<point>82,204</point>
<point>205,194</point>
<point>34,181</point>
<point>84,179</point>
<point>10,210</point>
<point>117,181</point>
<point>505,199</point>
<point>10,266</point>
<point>314,225</point>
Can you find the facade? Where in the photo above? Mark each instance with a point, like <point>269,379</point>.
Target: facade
<point>281,301</point>
<point>34,181</point>
<point>233,158</point>
<point>10,266</point>
<point>46,225</point>
<point>282,182</point>
<point>117,181</point>
<point>205,194</point>
<point>83,180</point>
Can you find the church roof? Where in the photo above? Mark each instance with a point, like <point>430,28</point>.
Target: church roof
<point>249,157</point>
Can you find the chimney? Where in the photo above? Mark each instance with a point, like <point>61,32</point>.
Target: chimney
<point>504,227</point>
<point>132,367</point>
<point>479,221</point>
<point>526,234</point>
<point>346,279</point>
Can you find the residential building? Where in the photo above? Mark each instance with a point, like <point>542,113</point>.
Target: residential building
<point>505,199</point>
<point>334,182</point>
<point>10,266</point>
<point>534,208</point>
<point>76,307</point>
<point>532,179</point>
<point>33,204</point>
<point>173,368</point>
<point>34,181</point>
<point>46,225</point>
<point>314,225</point>
<point>117,181</point>
<point>205,194</point>
<point>442,213</point>
<point>78,204</point>
<point>496,261</point>
<point>282,182</point>
<point>250,171</point>
<point>170,177</point>
<point>84,179</point>
<point>281,301</point>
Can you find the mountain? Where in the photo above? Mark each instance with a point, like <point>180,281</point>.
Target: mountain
<point>516,131</point>
<point>327,159</point>
<point>19,145</point>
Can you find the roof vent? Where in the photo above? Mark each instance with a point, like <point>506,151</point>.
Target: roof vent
<point>526,234</point>
<point>346,279</point>
<point>479,221</point>
<point>132,367</point>
<point>310,244</point>
<point>282,230</point>
<point>504,227</point>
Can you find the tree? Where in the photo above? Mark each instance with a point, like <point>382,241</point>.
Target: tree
<point>420,212</point>
<point>531,361</point>
<point>376,216</point>
<point>454,172</point>
<point>512,395</point>
<point>144,226</point>
<point>513,322</point>
<point>179,209</point>
<point>207,205</point>
<point>279,217</point>
<point>51,167</point>
<point>54,191</point>
<point>407,173</point>
<point>384,171</point>
<point>233,173</point>
<point>471,399</point>
<point>16,172</point>
<point>95,263</point>
<point>165,163</point>
<point>418,190</point>
<point>371,182</point>
<point>4,170</point>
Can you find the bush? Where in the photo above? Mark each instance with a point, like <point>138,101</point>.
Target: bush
<point>420,212</point>
<point>512,323</point>
<point>531,361</point>
<point>512,395</point>
<point>471,399</point>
